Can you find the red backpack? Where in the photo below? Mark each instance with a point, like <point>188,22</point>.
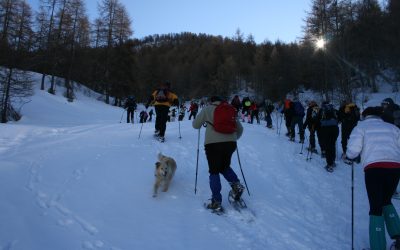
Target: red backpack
<point>225,118</point>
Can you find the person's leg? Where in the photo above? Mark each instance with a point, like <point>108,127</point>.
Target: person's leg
<point>392,221</point>
<point>163,119</point>
<point>374,187</point>
<point>312,138</point>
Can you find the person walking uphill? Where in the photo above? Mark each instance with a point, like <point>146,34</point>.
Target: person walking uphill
<point>378,143</point>
<point>162,99</point>
<point>328,133</point>
<point>130,106</point>
<point>219,147</point>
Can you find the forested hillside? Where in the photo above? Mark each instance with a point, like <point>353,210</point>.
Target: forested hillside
<point>358,44</point>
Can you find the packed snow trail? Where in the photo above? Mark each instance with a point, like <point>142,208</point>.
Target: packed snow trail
<point>85,182</point>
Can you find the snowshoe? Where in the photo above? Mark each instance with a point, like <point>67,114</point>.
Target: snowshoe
<point>237,204</point>
<point>329,168</point>
<point>237,191</point>
<point>215,207</point>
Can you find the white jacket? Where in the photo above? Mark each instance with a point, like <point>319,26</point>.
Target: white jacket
<point>375,140</point>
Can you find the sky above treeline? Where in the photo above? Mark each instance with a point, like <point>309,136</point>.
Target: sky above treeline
<point>264,19</point>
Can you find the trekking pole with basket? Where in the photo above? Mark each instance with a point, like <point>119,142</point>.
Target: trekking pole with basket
<point>241,170</point>
<point>179,122</point>
<point>309,151</point>
<point>140,132</point>
<point>352,205</point>
<point>197,161</point>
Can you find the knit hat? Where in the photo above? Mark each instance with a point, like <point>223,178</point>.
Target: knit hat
<point>388,101</point>
<point>375,111</point>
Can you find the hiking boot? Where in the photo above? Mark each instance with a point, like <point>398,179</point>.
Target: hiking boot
<point>237,190</point>
<point>347,161</point>
<point>291,139</point>
<point>329,168</point>
<point>214,205</point>
<point>156,132</point>
<point>161,138</point>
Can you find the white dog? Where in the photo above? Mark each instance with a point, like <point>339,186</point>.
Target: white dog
<point>165,170</point>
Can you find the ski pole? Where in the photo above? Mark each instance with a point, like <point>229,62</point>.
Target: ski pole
<point>123,112</point>
<point>179,124</point>
<point>241,170</point>
<point>140,130</point>
<point>197,161</point>
<point>352,205</point>
<point>309,152</point>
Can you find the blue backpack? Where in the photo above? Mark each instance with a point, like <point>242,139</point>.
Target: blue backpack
<point>298,109</point>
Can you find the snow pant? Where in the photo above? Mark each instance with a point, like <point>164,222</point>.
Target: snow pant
<point>297,120</point>
<point>346,131</point>
<point>192,114</point>
<point>219,160</point>
<point>129,115</point>
<point>312,138</point>
<point>328,136</point>
<point>150,118</point>
<point>161,119</point>
<point>254,113</point>
<point>380,184</point>
<point>268,119</point>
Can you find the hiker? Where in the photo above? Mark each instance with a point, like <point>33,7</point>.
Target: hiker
<point>246,103</point>
<point>348,116</point>
<point>288,115</point>
<point>312,123</point>
<point>378,144</point>
<point>182,111</point>
<point>162,99</point>
<point>130,106</point>
<point>268,109</point>
<point>328,133</point>
<point>193,109</point>
<point>219,148</point>
<point>236,103</point>
<point>143,116</point>
<point>391,112</point>
<point>297,112</point>
<point>254,111</point>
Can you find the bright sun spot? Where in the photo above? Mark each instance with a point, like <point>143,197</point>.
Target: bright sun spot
<point>320,43</point>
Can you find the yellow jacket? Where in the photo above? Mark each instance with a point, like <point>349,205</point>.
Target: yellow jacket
<point>172,99</point>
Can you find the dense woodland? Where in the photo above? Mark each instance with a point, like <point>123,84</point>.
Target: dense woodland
<point>362,44</point>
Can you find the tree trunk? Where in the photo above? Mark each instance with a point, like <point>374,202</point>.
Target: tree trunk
<point>7,97</point>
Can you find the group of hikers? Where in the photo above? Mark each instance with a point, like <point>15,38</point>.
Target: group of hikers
<point>371,138</point>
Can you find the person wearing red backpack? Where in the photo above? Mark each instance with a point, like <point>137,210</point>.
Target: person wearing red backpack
<point>222,132</point>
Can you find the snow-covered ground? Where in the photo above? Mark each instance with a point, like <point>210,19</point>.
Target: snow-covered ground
<point>73,177</point>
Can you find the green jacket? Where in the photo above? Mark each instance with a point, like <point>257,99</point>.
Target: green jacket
<point>207,115</point>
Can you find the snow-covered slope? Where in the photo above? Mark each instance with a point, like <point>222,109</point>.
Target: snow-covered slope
<point>73,177</point>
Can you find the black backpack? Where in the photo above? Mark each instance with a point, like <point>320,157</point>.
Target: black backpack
<point>298,109</point>
<point>328,112</point>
